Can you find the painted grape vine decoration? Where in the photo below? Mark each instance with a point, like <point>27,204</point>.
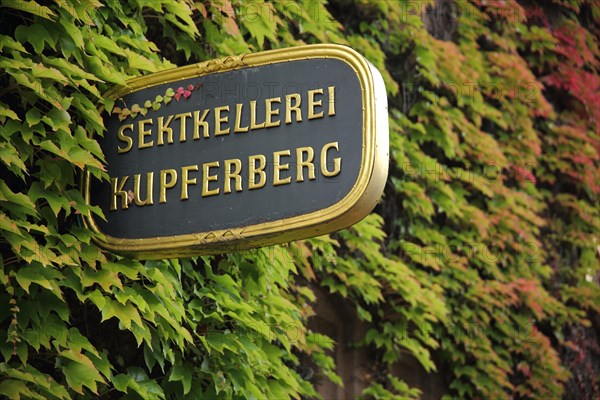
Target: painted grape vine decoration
<point>170,94</point>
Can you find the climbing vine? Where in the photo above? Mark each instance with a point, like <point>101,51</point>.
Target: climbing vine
<point>481,261</point>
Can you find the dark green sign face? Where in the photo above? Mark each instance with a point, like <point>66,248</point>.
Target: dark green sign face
<point>242,152</point>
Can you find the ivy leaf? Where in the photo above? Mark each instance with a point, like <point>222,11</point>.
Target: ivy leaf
<point>30,6</point>
<point>9,225</point>
<point>124,313</point>
<point>231,27</point>
<point>14,389</point>
<point>103,277</point>
<point>263,25</point>
<point>7,112</point>
<point>24,203</point>
<point>80,374</point>
<point>183,374</point>
<point>83,158</point>
<point>33,117</point>
<point>41,71</point>
<point>35,34</point>
<point>11,158</point>
<point>179,14</point>
<point>74,33</point>
<point>138,381</point>
<point>46,277</point>
<point>138,61</point>
<point>77,357</point>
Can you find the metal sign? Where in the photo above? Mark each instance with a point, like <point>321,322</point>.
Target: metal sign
<point>241,152</point>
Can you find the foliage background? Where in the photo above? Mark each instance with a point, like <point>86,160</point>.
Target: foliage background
<point>481,260</point>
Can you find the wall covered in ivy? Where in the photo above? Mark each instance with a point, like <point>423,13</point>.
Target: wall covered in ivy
<point>481,260</point>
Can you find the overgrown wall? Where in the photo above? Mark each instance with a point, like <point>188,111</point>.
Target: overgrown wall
<point>481,260</point>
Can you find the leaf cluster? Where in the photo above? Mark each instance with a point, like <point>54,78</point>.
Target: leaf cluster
<point>477,262</point>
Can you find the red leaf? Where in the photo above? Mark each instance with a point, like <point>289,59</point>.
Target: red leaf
<point>177,96</point>
<point>523,174</point>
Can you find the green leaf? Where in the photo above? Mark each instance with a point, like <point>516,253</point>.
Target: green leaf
<point>179,14</point>
<point>24,202</point>
<point>106,43</point>
<point>46,277</point>
<point>11,158</point>
<point>14,389</point>
<point>9,42</point>
<point>138,61</point>
<point>124,313</point>
<point>179,372</point>
<point>139,383</point>
<point>55,200</point>
<point>104,278</point>
<point>31,7</point>
<point>9,225</point>
<point>35,34</point>
<point>41,71</point>
<point>33,117</point>
<point>80,374</point>
<point>7,112</point>
<point>78,357</point>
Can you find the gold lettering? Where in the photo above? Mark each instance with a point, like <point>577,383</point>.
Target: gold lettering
<point>124,138</point>
<point>331,100</point>
<point>278,167</point>
<point>162,128</point>
<point>270,112</point>
<point>142,133</point>
<point>206,178</point>
<point>238,119</point>
<point>149,188</point>
<point>199,122</point>
<point>185,180</point>
<point>253,170</point>
<point>312,104</point>
<point>253,124</point>
<point>219,120</point>
<point>235,174</point>
<point>117,190</point>
<point>296,107</point>
<point>182,126</point>
<point>337,162</point>
<point>302,162</point>
<point>164,185</point>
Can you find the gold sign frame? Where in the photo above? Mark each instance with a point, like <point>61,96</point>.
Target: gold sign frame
<point>360,200</point>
